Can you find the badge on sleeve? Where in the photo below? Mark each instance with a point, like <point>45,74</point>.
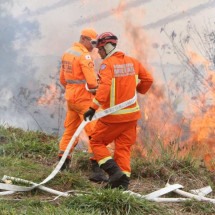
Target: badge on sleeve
<point>88,57</point>
<point>103,66</point>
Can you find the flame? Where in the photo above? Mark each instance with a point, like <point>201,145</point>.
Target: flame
<point>161,126</point>
<point>202,126</point>
<point>50,94</point>
<point>209,160</point>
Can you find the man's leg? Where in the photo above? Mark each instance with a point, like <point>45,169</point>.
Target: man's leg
<point>71,124</point>
<point>105,133</point>
<point>123,144</point>
<point>97,174</point>
<point>122,154</point>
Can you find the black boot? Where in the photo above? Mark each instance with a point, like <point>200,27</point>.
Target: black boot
<point>66,164</point>
<point>117,179</point>
<point>121,184</point>
<point>98,174</point>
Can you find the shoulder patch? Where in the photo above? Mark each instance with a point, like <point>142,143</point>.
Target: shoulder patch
<point>103,66</point>
<point>88,57</point>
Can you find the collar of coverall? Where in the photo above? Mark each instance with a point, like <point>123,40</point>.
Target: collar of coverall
<point>81,46</point>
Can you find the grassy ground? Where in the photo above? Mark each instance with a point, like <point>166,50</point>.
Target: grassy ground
<point>32,156</point>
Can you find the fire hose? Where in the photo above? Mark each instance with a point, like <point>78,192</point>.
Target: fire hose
<point>14,188</point>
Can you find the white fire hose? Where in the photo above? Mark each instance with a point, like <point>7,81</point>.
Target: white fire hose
<point>14,188</point>
<point>198,194</point>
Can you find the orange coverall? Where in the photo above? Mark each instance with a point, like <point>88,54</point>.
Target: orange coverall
<point>118,82</point>
<point>77,69</point>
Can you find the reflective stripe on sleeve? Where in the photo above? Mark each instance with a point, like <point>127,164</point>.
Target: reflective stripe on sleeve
<point>76,81</point>
<point>96,102</point>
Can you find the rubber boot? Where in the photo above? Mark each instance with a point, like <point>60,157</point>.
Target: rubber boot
<point>121,184</point>
<point>98,174</point>
<point>66,164</point>
<point>117,179</point>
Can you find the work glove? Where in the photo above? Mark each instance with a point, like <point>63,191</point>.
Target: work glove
<point>90,113</point>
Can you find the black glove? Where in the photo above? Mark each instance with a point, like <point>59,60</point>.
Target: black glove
<point>90,113</point>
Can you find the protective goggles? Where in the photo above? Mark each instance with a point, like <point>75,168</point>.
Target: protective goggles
<point>93,42</point>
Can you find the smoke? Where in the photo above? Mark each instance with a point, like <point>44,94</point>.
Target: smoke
<point>52,6</point>
<point>186,13</point>
<point>22,79</point>
<point>123,6</point>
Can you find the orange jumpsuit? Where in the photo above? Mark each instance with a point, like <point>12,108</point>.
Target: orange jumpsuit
<point>77,69</point>
<point>118,82</point>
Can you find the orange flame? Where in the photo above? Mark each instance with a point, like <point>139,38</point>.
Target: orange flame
<point>161,124</point>
<point>50,95</point>
<point>209,160</point>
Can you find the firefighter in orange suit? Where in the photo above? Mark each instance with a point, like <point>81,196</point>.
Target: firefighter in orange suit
<point>118,82</point>
<point>78,77</point>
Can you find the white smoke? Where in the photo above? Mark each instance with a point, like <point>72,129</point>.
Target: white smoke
<point>34,35</point>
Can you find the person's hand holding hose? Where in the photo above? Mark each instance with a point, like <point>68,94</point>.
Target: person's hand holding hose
<point>89,114</point>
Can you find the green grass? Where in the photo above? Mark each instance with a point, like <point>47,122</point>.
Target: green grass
<point>113,202</point>
<point>20,144</point>
<point>35,207</point>
<point>33,155</point>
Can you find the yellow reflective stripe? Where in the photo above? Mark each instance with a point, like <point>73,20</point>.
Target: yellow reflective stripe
<point>128,174</point>
<point>104,160</point>
<point>128,110</point>
<point>112,99</point>
<point>96,102</point>
<point>136,78</point>
<point>112,93</point>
